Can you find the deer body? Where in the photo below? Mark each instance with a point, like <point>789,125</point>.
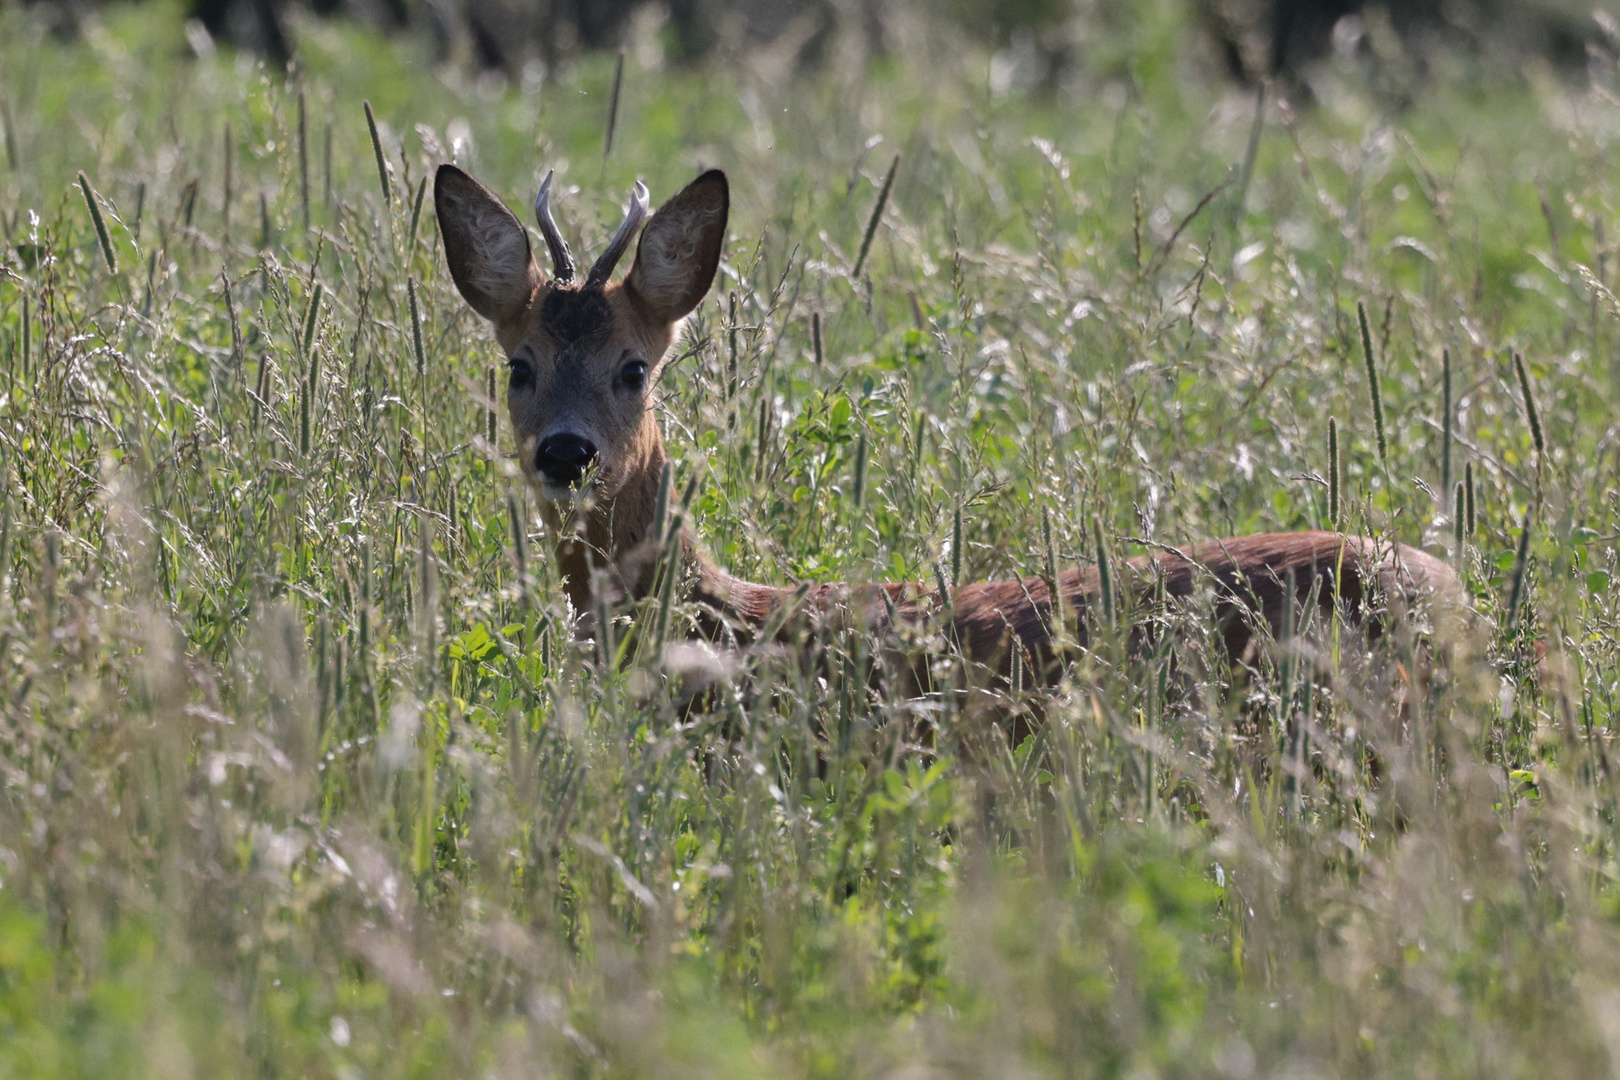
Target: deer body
<point>1285,580</point>
<point>583,357</point>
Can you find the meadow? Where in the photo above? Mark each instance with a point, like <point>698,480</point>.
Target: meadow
<point>305,775</point>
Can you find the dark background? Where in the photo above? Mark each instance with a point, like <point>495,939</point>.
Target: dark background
<point>1251,40</point>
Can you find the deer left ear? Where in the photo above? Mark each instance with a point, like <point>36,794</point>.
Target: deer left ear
<point>680,249</point>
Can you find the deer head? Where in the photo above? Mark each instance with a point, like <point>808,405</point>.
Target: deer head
<point>583,357</point>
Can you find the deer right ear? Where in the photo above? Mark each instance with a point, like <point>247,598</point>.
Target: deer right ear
<point>680,248</point>
<point>488,251</point>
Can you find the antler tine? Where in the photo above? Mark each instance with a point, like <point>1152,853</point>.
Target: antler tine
<point>562,260</point>
<point>633,217</point>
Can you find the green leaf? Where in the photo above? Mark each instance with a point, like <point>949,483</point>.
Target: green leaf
<point>895,784</point>
<point>841,411</point>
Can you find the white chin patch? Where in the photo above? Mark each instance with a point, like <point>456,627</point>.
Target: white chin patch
<point>565,494</point>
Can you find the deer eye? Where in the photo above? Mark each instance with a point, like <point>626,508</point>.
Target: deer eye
<point>633,375</point>
<point>520,373</point>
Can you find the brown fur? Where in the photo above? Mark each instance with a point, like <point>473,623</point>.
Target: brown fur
<point>577,338</point>
<point>1249,579</point>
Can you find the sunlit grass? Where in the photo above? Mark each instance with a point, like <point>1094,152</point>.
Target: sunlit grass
<point>305,775</point>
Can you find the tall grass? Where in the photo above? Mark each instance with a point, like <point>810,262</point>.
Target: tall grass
<point>306,775</point>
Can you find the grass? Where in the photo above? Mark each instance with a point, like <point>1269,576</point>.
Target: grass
<point>304,776</point>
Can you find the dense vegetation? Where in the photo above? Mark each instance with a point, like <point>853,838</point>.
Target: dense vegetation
<point>304,774</point>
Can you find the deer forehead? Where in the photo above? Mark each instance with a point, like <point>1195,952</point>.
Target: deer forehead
<point>589,325</point>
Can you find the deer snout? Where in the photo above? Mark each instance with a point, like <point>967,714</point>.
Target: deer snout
<point>563,458</point>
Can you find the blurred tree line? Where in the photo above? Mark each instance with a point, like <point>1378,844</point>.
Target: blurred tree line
<point>1278,38</point>
<point>1251,39</point>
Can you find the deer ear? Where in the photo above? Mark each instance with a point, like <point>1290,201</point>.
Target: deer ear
<point>680,248</point>
<point>487,249</point>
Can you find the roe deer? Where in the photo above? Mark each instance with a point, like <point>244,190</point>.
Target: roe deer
<point>583,358</point>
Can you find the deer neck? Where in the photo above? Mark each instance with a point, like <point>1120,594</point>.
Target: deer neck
<point>603,540</point>
<point>610,543</point>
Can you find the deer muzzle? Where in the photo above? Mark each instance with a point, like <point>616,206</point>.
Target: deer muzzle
<point>563,458</point>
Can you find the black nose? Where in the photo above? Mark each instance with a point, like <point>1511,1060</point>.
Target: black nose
<point>563,459</point>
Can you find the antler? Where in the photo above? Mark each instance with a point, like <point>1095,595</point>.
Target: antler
<point>633,218</point>
<point>561,258</point>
